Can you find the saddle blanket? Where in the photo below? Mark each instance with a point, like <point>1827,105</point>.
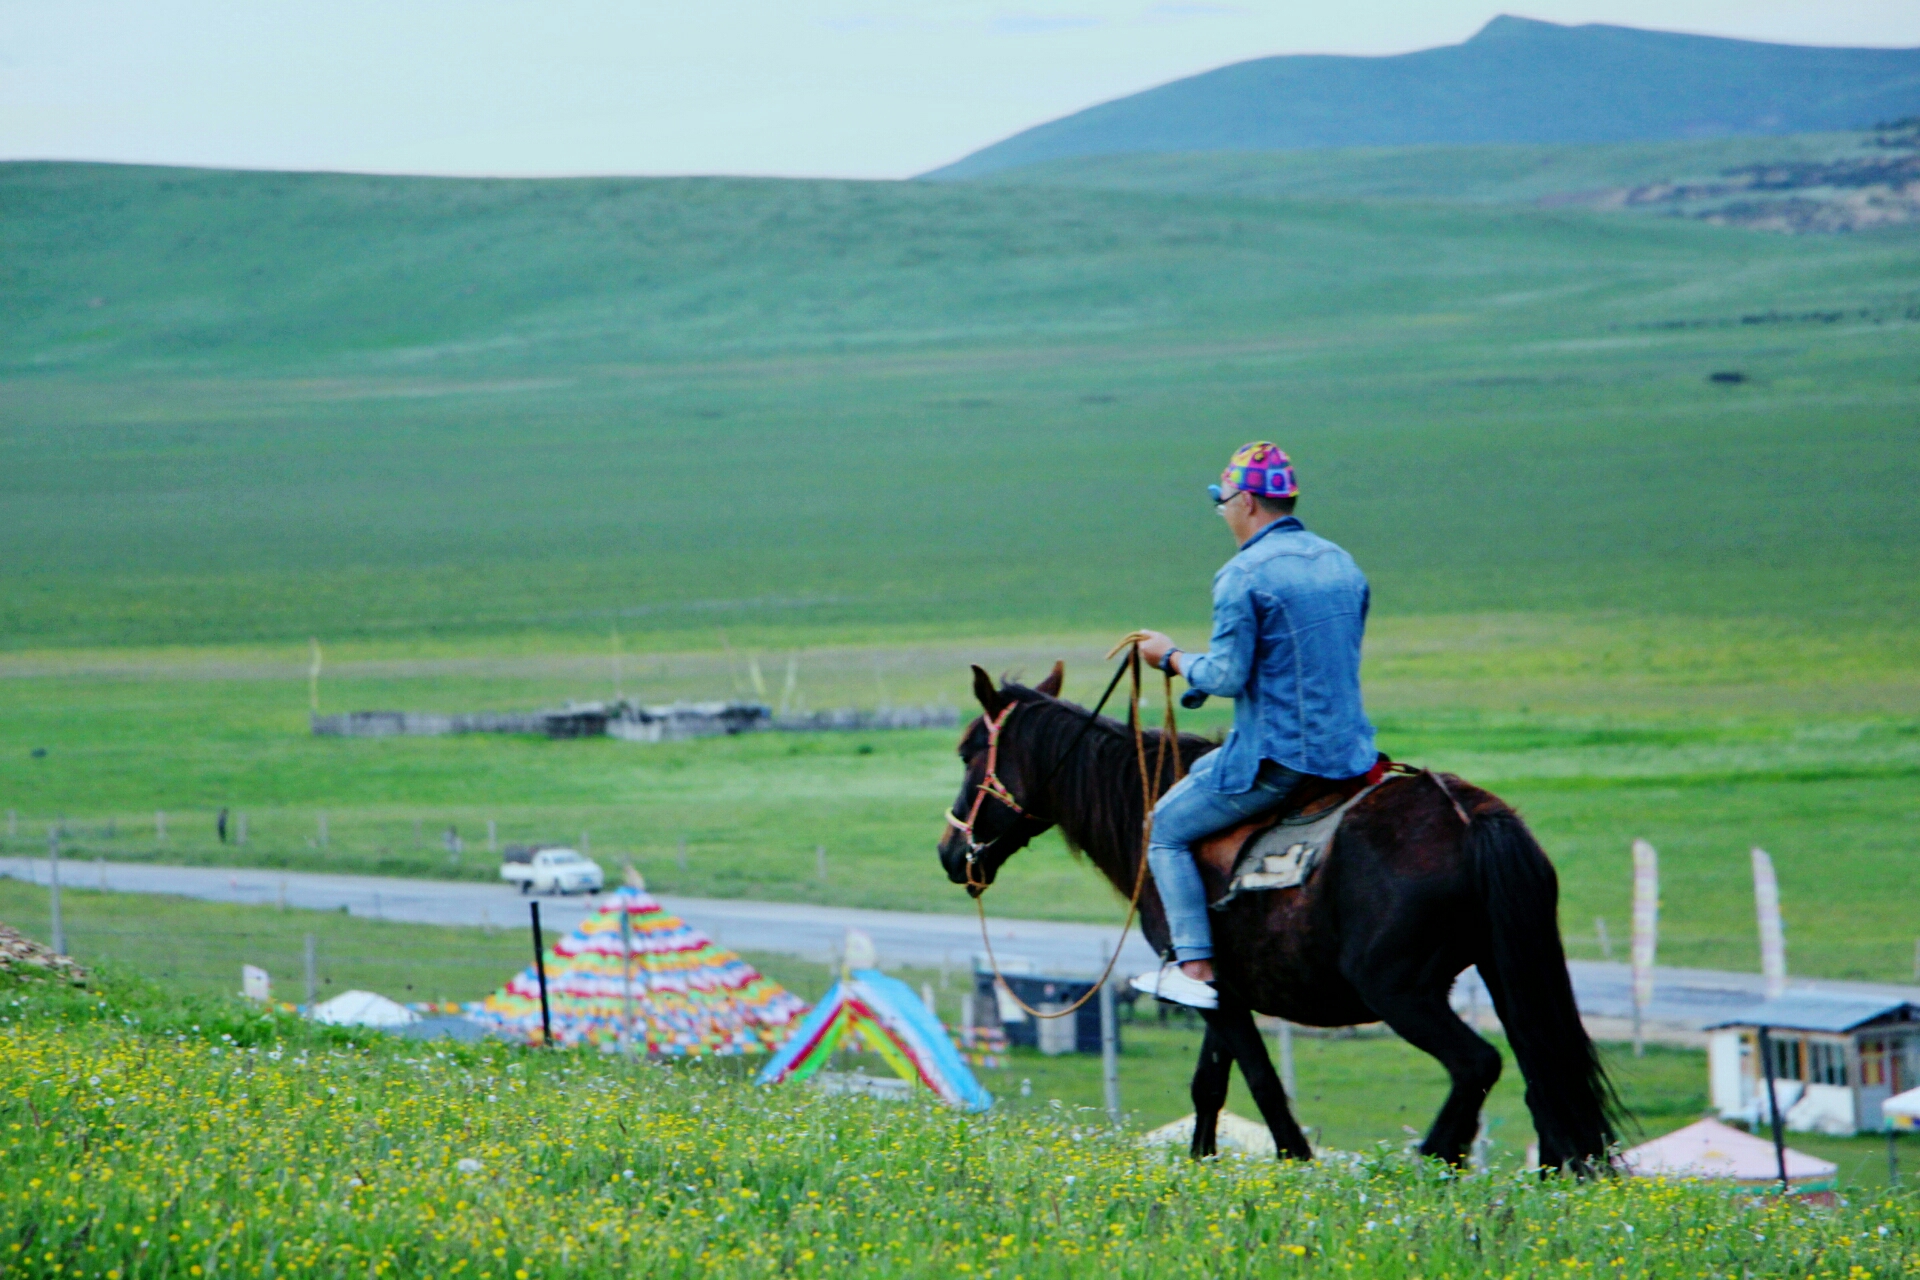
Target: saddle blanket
<point>1284,854</point>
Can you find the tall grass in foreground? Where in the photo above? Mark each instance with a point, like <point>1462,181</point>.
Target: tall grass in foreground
<point>143,1145</point>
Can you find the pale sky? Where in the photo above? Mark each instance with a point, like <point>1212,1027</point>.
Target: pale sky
<point>845,88</point>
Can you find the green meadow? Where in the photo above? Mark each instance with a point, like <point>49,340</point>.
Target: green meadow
<point>1354,1090</point>
<point>147,1136</point>
<point>258,407</point>
<point>501,444</point>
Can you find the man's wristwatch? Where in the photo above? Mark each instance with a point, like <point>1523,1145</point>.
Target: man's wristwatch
<point>1166,662</point>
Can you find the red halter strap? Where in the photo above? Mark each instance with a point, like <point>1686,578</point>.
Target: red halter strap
<point>990,785</point>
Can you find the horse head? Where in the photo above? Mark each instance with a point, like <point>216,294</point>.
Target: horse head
<point>993,817</point>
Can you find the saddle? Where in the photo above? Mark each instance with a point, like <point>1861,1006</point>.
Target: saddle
<point>1280,849</point>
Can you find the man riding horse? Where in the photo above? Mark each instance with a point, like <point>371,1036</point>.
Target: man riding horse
<point>1289,611</point>
<point>1425,874</point>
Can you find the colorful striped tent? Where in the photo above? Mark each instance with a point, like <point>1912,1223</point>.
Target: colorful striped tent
<point>884,1015</point>
<point>690,997</point>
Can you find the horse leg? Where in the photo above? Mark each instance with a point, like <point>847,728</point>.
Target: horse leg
<point>1235,1028</point>
<point>1552,1154</point>
<point>1425,1020</point>
<point>1209,1090</point>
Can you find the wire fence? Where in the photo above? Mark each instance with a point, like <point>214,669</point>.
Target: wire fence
<point>461,838</point>
<point>438,844</point>
<point>304,968</point>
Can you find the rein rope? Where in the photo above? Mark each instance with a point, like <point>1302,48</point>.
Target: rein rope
<point>990,785</point>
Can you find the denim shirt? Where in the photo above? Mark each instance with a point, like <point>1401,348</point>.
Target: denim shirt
<point>1288,614</point>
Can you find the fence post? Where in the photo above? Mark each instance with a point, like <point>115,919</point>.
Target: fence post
<point>680,860</point>
<point>241,836</point>
<point>1110,1053</point>
<point>626,979</point>
<point>13,824</point>
<point>540,970</point>
<point>53,885</point>
<point>312,971</point>
<point>159,826</point>
<point>820,863</point>
<point>492,847</point>
<point>323,831</point>
<point>1285,1036</point>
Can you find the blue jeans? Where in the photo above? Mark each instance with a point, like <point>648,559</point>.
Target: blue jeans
<point>1187,814</point>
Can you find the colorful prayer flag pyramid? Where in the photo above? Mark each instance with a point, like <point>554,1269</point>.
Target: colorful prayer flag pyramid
<point>885,1016</point>
<point>690,997</point>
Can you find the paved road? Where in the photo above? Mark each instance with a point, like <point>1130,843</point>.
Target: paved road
<point>1684,999</point>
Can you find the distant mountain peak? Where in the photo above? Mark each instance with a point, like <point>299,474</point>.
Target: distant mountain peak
<point>1506,25</point>
<point>1516,80</point>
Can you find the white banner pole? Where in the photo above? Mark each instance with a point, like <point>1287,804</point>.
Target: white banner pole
<point>1773,939</point>
<point>1646,927</point>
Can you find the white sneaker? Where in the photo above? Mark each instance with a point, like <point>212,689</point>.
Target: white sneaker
<point>1171,984</point>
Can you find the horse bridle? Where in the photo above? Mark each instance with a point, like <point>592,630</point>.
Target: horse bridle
<point>991,785</point>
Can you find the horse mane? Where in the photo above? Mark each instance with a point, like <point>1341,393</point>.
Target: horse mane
<point>1094,796</point>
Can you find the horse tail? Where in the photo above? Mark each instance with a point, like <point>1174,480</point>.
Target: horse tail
<point>1574,1106</point>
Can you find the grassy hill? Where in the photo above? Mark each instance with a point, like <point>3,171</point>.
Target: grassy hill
<point>477,435</point>
<point>260,406</point>
<point>1516,81</point>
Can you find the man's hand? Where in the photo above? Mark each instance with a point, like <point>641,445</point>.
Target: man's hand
<point>1154,647</point>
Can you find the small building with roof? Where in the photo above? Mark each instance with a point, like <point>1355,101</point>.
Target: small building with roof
<point>1836,1058</point>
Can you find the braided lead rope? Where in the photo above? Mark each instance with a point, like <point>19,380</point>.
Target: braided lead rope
<point>1148,796</point>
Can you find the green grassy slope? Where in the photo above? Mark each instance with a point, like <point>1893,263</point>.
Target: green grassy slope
<point>462,431</point>
<point>1351,1092</point>
<point>394,407</point>
<point>135,1151</point>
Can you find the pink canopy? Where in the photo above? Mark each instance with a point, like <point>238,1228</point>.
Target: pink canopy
<point>1709,1149</point>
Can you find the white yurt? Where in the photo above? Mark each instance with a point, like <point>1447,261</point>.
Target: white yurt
<point>363,1009</point>
<point>1710,1150</point>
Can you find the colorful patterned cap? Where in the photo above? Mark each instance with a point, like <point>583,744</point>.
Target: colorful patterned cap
<point>1262,469</point>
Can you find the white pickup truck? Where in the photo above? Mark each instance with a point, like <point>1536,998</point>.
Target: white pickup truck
<point>552,870</point>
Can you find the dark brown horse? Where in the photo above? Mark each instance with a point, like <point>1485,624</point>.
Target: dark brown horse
<point>1427,876</point>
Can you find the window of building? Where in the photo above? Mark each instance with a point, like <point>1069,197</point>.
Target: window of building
<point>1826,1062</point>
<point>1786,1053</point>
<point>1873,1063</point>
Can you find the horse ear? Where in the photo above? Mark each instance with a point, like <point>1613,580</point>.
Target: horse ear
<point>983,689</point>
<point>1055,678</point>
